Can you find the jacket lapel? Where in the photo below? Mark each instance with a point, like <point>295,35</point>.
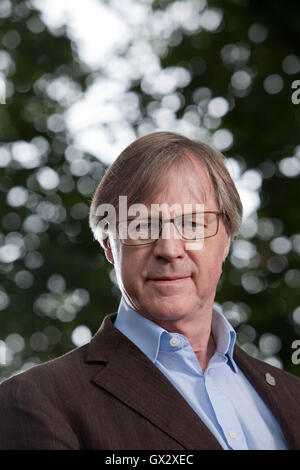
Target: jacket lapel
<point>273,388</point>
<point>131,377</point>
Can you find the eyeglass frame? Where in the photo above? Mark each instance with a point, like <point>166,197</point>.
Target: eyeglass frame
<point>163,221</point>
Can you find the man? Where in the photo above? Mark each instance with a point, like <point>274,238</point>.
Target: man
<point>165,372</point>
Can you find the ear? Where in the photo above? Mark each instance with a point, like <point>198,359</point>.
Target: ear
<point>108,251</point>
<point>227,243</point>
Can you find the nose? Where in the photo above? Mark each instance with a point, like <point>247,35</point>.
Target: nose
<point>169,245</point>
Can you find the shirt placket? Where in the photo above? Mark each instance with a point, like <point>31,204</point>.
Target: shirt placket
<point>225,413</point>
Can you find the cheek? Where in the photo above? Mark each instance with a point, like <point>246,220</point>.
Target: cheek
<point>128,273</point>
<point>130,269</point>
<point>209,264</point>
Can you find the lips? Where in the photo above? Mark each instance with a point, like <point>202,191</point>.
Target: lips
<point>167,278</point>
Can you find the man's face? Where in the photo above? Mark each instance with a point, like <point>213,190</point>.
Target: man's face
<point>139,267</point>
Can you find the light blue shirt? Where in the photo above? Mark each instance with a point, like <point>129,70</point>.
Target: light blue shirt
<point>222,396</point>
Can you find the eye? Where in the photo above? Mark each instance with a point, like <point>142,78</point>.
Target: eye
<point>145,225</point>
<point>190,223</point>
<point>193,223</point>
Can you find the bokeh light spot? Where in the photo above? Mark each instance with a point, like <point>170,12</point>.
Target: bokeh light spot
<point>81,335</point>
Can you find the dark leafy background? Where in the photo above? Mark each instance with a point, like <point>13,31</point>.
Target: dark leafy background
<point>54,277</point>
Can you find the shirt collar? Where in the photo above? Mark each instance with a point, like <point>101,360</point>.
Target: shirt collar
<point>224,335</point>
<point>147,335</point>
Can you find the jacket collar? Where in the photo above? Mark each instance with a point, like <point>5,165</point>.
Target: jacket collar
<point>278,389</point>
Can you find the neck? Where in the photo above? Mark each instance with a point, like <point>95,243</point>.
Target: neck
<point>198,332</point>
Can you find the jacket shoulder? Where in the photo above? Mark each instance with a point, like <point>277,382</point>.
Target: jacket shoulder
<point>35,407</point>
<point>61,366</point>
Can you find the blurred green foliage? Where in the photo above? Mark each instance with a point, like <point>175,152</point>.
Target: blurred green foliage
<point>53,275</point>
<point>57,242</point>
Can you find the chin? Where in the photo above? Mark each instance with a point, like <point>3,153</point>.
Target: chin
<point>167,311</point>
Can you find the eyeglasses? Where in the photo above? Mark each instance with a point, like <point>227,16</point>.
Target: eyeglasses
<point>194,226</point>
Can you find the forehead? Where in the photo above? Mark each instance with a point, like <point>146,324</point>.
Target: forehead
<point>186,182</point>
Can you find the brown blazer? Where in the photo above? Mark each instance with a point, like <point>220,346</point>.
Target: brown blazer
<point>109,395</point>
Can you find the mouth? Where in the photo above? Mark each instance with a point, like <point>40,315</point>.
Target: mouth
<point>169,280</point>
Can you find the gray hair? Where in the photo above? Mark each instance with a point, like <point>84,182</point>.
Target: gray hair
<point>139,170</point>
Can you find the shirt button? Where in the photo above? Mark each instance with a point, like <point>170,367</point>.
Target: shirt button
<point>232,434</point>
<point>174,341</point>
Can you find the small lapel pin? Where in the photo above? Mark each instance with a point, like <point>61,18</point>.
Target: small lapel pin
<point>270,379</point>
